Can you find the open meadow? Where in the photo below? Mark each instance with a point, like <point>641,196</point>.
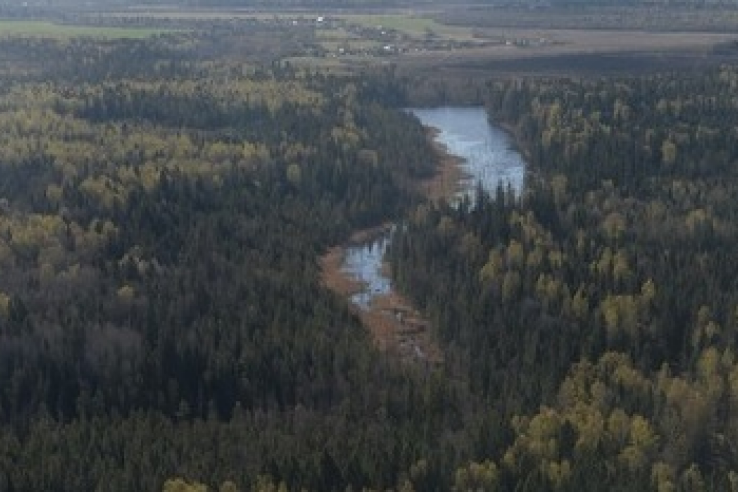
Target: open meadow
<point>49,29</point>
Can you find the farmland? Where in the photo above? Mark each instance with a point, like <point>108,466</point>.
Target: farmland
<point>48,29</point>
<point>463,42</point>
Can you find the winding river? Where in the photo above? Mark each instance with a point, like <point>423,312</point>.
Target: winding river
<point>487,158</point>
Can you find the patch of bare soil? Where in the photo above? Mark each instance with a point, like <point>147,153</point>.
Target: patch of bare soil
<point>332,276</point>
<point>396,326</point>
<point>401,329</point>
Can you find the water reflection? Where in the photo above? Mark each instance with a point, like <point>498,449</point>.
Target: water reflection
<point>364,263</point>
<point>487,153</point>
<point>487,158</point>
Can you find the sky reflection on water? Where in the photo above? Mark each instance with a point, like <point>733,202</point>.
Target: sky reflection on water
<point>488,158</point>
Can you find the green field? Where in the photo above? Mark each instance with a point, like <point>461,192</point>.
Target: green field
<point>411,25</point>
<point>45,29</point>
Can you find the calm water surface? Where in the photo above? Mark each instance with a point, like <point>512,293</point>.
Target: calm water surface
<point>488,158</point>
<point>487,153</point>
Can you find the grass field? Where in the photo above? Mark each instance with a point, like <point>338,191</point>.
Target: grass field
<point>45,29</point>
<point>411,25</point>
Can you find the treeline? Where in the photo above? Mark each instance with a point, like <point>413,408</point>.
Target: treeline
<point>597,311</point>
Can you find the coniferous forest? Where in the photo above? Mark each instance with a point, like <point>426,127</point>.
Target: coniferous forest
<point>163,323</point>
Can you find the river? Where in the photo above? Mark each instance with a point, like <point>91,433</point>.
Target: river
<point>487,158</point>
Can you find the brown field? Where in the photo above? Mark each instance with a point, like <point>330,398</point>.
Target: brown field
<point>580,52</point>
<point>668,17</point>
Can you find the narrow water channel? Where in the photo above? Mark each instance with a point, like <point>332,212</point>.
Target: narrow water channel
<point>487,157</point>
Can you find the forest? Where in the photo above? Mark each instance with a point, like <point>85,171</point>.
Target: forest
<point>597,312</point>
<point>162,214</point>
<point>164,203</point>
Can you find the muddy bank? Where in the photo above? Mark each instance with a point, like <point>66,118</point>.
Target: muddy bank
<point>395,325</point>
<point>446,182</point>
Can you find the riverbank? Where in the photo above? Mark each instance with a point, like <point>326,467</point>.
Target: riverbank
<point>333,275</point>
<point>446,182</point>
<point>395,325</point>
